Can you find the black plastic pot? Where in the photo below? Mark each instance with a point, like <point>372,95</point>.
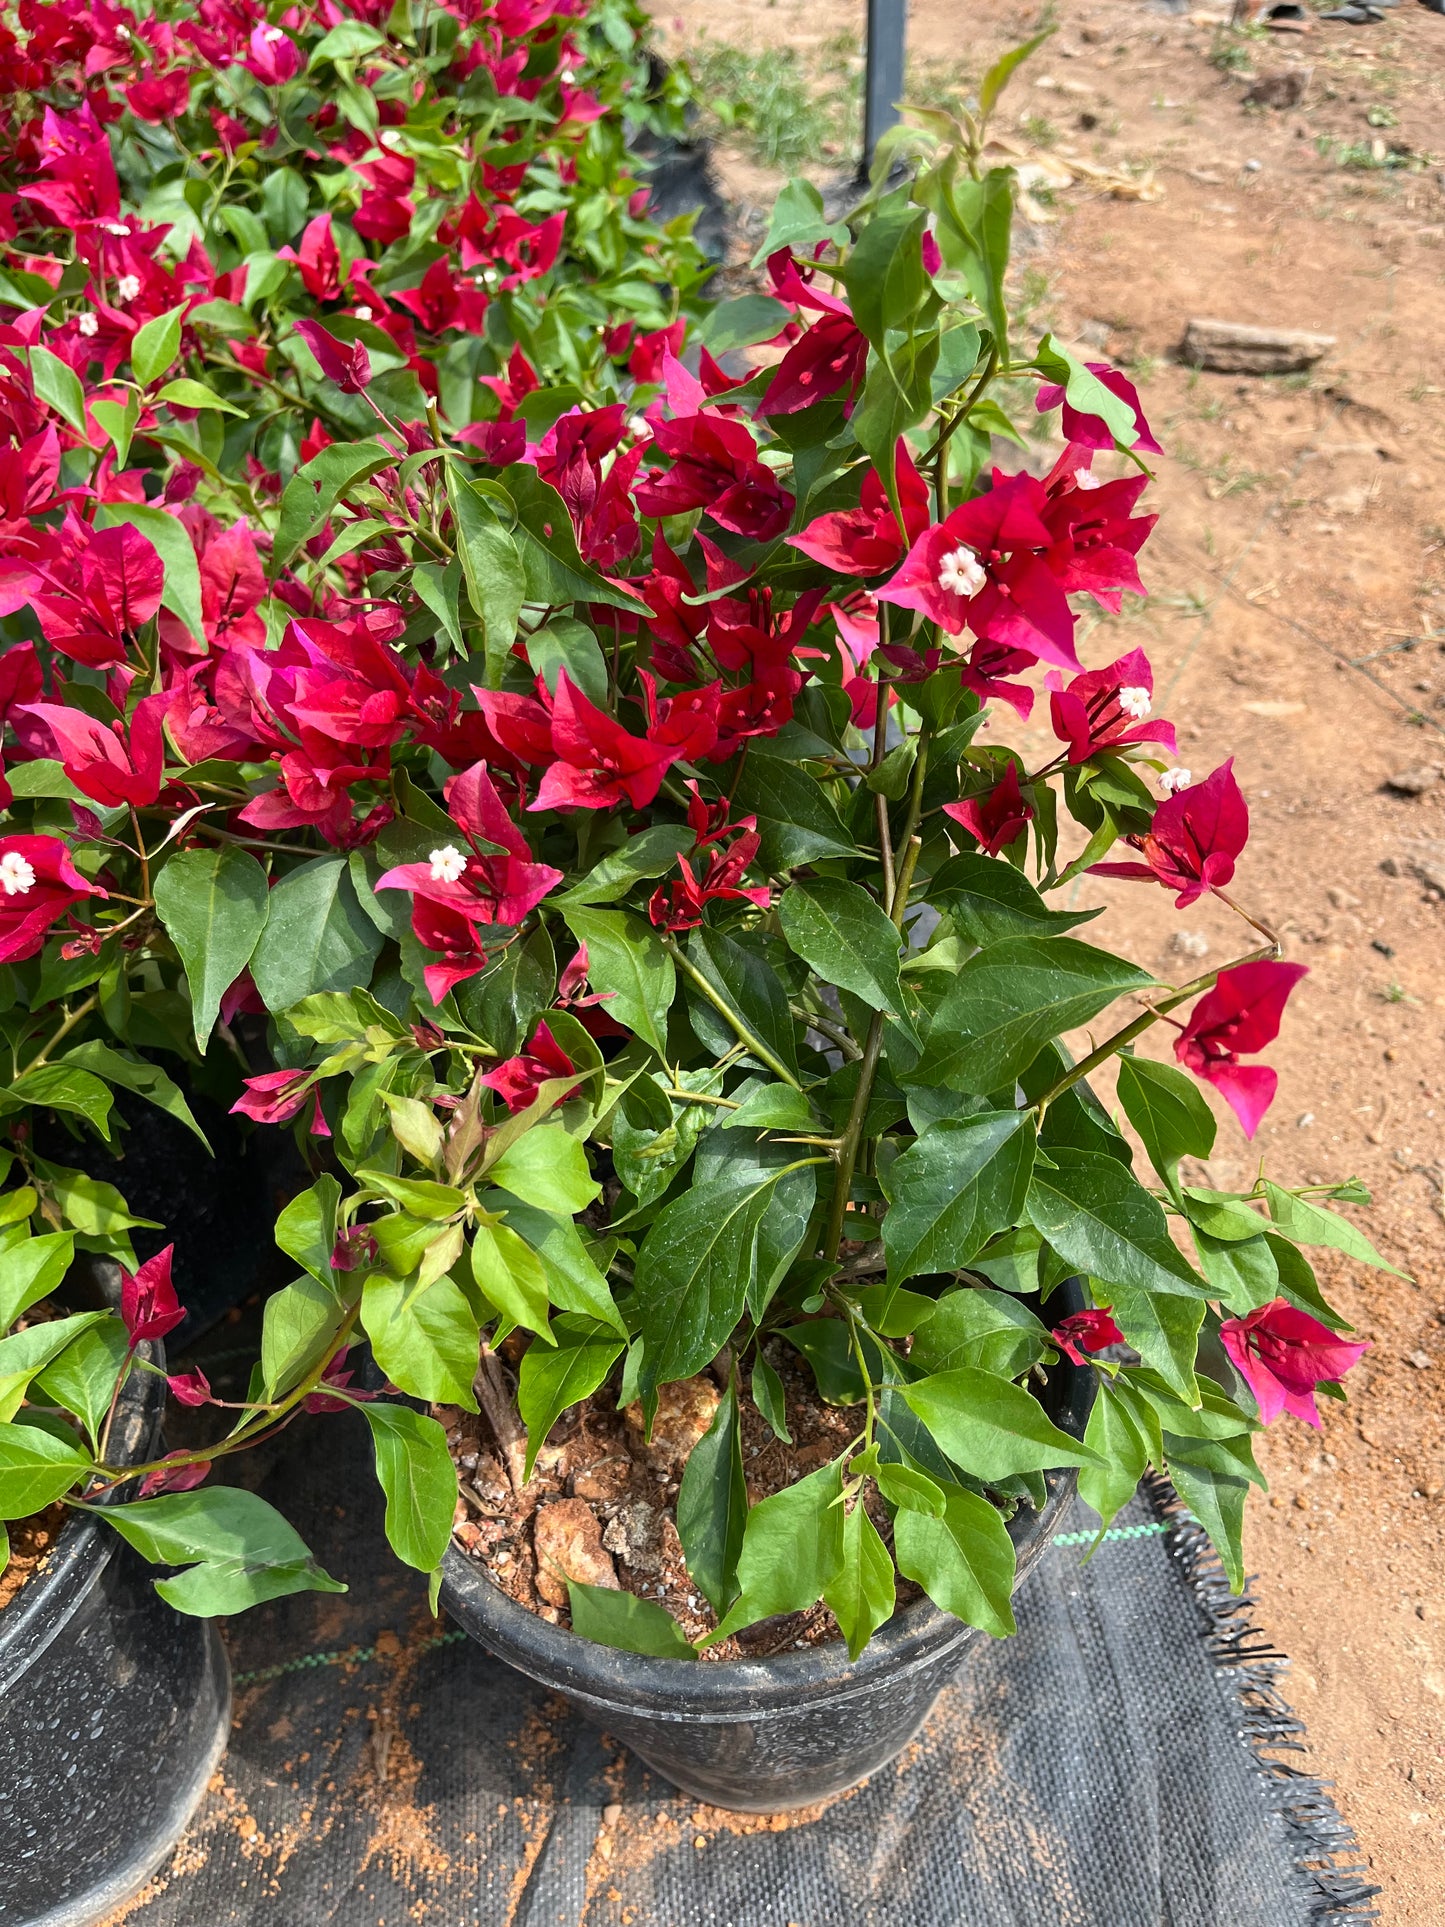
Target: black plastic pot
<point>114,1710</point>
<point>762,1735</point>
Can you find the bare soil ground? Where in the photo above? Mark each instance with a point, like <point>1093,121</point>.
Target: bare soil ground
<point>1296,622</point>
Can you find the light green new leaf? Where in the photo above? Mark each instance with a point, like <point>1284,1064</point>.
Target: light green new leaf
<point>24,1353</point>
<point>214,905</point>
<point>964,1561</point>
<point>239,1550</point>
<point>552,1379</point>
<point>298,1332</point>
<point>510,1277</point>
<point>1308,1223</point>
<point>155,346</point>
<point>35,1468</point>
<point>989,1426</point>
<point>864,1591</point>
<point>1123,1453</point>
<point>427,1347</point>
<point>792,1551</point>
<point>623,1620</point>
<point>30,1271</point>
<point>415,1470</point>
<point>547,1167</point>
<point>306,1227</point>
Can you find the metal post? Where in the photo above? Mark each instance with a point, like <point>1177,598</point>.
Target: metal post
<point>883,81</point>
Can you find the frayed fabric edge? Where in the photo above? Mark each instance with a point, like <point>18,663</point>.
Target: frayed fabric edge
<point>1327,1856</point>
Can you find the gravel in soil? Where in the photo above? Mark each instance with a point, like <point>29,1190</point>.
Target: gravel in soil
<point>601,1506</point>
<point>31,1543</point>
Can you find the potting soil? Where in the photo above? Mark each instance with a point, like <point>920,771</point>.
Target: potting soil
<point>1126,1761</point>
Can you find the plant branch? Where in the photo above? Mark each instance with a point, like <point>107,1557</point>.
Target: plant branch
<point>1138,1025</point>
<point>755,1045</point>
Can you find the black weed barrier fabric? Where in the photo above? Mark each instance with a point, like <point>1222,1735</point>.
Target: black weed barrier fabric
<point>1123,1763</point>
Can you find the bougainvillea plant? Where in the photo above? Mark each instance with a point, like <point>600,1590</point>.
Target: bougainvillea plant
<point>605,812</point>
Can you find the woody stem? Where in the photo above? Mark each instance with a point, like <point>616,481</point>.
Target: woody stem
<point>1276,948</point>
<point>1140,1024</point>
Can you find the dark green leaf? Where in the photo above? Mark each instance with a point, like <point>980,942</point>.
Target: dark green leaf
<point>623,1620</point>
<point>743,321</point>
<point>135,1074</point>
<point>24,1353</point>
<point>62,1087</point>
<point>989,899</point>
<point>770,1398</point>
<point>214,905</point>
<point>825,1343</point>
<point>957,1185</point>
<point>796,821</point>
<point>493,569</point>
<point>797,221</point>
<point>651,854</point>
<point>747,984</point>
<point>884,272</point>
<point>1100,1219</point>
<point>771,1107</point>
<point>847,939</point>
<point>555,572</point>
<point>1011,1000</point>
<point>1242,1274</point>
<point>417,1475</point>
<point>239,1550</point>
<point>317,936</point>
<point>963,1561</point>
<point>712,1505</point>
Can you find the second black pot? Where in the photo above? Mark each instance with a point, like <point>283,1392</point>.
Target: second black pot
<point>114,1711</point>
<point>762,1735</point>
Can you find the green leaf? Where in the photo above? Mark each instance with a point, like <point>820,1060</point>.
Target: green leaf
<point>306,1228</point>
<point>1100,1219</point>
<point>119,424</point>
<point>35,1468</point>
<point>961,1182</point>
<point>317,936</point>
<point>623,1620</point>
<point>897,395</point>
<point>1169,1112</point>
<point>963,1561</point>
<point>62,1087</point>
<point>510,1277</point>
<point>573,1281</point>
<point>347,41</point>
<point>91,1206</point>
<point>171,542</point>
<point>195,394</point>
<point>566,644</point>
<point>863,1592</point>
<point>155,346</point>
<point>552,1379</point>
<point>1308,1223</point>
<point>1164,1329</point>
<point>214,905</point>
<point>884,271</point>
<point>712,1505</point>
<point>298,1332</point>
<point>555,572</point>
<point>1242,1273</point>
<point>82,1378</point>
<point>770,1398</point>
<point>1123,1453</point>
<point>1217,1502</point>
<point>1223,1215</point>
<point>58,385</point>
<point>1084,390</point>
<point>1002,70</point>
<point>847,939</point>
<point>493,569</point>
<point>797,221</point>
<point>24,1353</point>
<point>428,1347</point>
<point>547,1167</point>
<point>439,586</point>
<point>796,820</point>
<point>747,984</point>
<point>417,1475</point>
<point>135,1074</point>
<point>988,899</point>
<point>239,1550</point>
<point>989,1426</point>
<point>792,1551</point>
<point>650,854</point>
<point>744,321</point>
<point>771,1107</point>
<point>694,1271</point>
<point>627,960</point>
<point>1011,1000</point>
<point>985,209</point>
<point>905,1486</point>
<point>988,1329</point>
<point>31,1271</point>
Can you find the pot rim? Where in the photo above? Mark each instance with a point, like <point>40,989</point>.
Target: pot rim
<point>84,1546</point>
<point>610,1679</point>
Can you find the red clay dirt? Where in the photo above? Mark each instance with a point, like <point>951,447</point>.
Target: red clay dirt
<point>1297,623</point>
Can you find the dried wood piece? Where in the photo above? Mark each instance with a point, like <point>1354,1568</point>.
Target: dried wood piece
<point>1236,348</point>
